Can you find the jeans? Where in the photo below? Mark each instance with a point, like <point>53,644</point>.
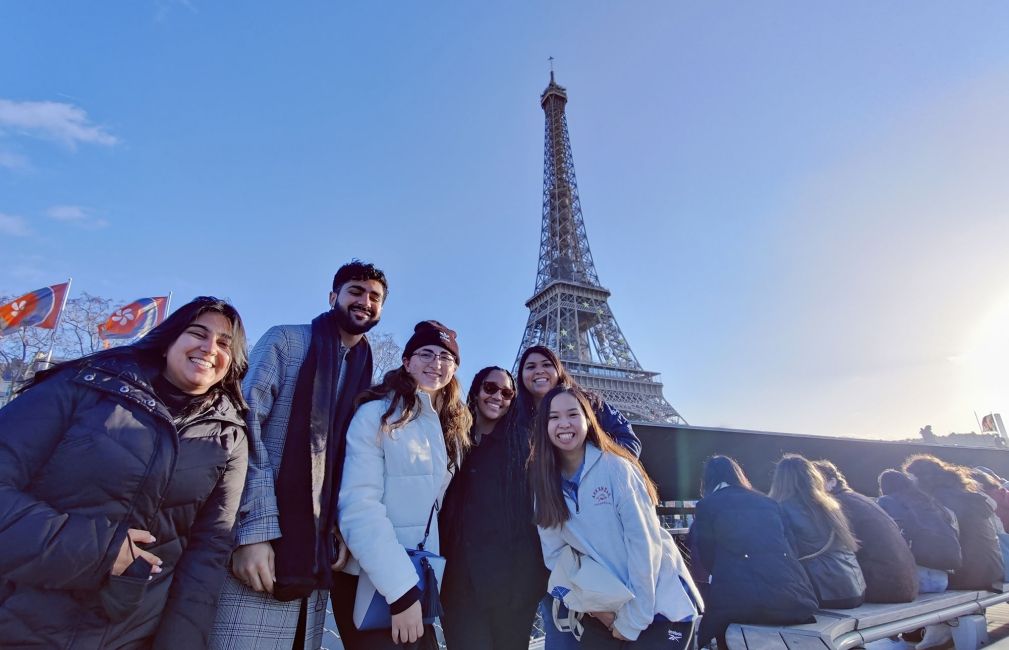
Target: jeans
<point>931,581</point>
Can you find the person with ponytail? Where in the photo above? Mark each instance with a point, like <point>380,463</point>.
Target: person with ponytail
<point>120,478</point>
<point>405,441</point>
<point>593,498</point>
<point>495,575</point>
<point>819,532</point>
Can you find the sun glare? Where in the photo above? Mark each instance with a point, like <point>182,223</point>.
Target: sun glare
<point>984,364</point>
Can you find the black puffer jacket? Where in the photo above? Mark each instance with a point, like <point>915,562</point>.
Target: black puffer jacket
<point>755,578</point>
<point>927,527</point>
<point>883,555</point>
<point>832,569</point>
<point>85,455</point>
<point>982,557</point>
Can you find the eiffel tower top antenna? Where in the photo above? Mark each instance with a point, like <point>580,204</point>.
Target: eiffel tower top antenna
<point>569,311</point>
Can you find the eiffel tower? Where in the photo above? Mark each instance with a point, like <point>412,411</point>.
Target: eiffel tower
<point>569,312</point>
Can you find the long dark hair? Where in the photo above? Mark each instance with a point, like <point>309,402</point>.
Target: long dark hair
<point>150,350</point>
<point>545,462</point>
<point>722,469</point>
<point>525,406</point>
<point>795,478</point>
<point>452,413</point>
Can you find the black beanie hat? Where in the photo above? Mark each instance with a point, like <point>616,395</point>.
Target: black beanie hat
<point>431,332</point>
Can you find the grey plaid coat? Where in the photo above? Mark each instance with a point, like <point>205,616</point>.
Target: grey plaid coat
<point>247,619</point>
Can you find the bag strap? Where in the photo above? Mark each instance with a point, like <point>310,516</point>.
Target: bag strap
<point>830,541</point>
<point>435,507</point>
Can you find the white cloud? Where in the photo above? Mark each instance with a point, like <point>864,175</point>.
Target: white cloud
<point>67,213</point>
<point>11,160</point>
<point>58,121</point>
<point>13,225</point>
<point>76,215</point>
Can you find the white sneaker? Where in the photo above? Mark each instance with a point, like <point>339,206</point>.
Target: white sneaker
<point>935,636</point>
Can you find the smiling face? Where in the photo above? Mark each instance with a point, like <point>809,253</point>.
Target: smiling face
<point>200,357</point>
<point>539,375</point>
<point>491,407</point>
<point>358,305</point>
<point>567,425</point>
<point>431,366</point>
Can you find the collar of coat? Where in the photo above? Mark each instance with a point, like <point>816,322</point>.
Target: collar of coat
<point>125,376</point>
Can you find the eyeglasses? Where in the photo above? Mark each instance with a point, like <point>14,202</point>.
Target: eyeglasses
<point>427,357</point>
<point>491,388</point>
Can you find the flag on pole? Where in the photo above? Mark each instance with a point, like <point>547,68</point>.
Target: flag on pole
<point>40,308</point>
<point>134,320</point>
<point>988,424</point>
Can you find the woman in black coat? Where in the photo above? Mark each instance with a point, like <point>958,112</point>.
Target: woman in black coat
<point>120,479</point>
<point>952,487</point>
<point>883,555</point>
<point>755,578</point>
<point>927,526</point>
<point>494,575</point>
<point>819,533</point>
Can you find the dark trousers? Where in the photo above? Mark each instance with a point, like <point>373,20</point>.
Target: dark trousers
<point>468,625</point>
<point>343,594</point>
<point>660,635</point>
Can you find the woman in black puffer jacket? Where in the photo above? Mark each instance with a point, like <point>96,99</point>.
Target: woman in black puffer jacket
<point>819,532</point>
<point>952,487</point>
<point>754,578</point>
<point>926,525</point>
<point>138,446</point>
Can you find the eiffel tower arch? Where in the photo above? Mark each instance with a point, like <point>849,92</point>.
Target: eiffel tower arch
<point>569,311</point>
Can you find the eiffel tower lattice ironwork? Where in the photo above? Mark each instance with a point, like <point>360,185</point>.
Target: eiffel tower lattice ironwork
<point>569,311</point>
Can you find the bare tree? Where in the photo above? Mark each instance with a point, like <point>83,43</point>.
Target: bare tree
<point>23,350</point>
<point>78,332</point>
<point>385,353</point>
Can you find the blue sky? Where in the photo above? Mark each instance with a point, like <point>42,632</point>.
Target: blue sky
<point>801,209</point>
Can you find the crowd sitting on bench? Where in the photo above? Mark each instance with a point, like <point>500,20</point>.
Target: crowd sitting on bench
<point>821,545</point>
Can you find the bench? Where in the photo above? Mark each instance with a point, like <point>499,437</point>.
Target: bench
<point>842,629</point>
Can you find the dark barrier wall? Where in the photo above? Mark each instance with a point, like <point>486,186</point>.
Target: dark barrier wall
<point>674,455</point>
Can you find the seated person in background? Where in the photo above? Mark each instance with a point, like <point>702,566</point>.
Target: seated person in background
<point>754,578</point>
<point>991,486</point>
<point>926,525</point>
<point>819,533</point>
<point>883,555</point>
<point>951,486</point>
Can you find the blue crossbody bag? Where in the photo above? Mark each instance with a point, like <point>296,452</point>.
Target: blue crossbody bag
<point>371,611</point>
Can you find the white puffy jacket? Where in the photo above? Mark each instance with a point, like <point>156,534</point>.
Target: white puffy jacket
<point>390,482</point>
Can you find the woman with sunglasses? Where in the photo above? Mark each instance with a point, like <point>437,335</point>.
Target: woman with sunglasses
<point>541,370</point>
<point>494,576</point>
<point>404,443</point>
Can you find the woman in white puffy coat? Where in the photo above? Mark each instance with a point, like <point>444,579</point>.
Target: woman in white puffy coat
<point>403,445</point>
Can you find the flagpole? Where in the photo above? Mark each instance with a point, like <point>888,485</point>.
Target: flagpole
<point>59,319</point>
<point>168,304</point>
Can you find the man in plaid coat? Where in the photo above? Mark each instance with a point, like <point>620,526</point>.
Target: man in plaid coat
<point>249,615</point>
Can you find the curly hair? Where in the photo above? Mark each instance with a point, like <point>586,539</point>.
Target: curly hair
<point>932,473</point>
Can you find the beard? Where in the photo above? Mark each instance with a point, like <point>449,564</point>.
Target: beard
<point>348,324</point>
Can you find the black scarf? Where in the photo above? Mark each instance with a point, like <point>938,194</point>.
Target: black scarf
<point>312,465</point>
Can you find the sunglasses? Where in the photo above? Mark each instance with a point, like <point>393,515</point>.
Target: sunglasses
<point>491,388</point>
